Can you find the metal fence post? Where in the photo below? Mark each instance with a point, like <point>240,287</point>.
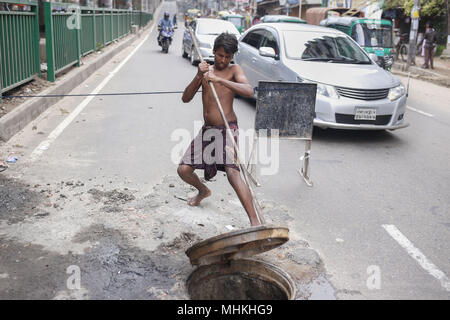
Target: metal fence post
<point>36,40</point>
<point>78,31</point>
<point>103,27</point>
<point>94,29</point>
<point>112,25</point>
<point>49,41</point>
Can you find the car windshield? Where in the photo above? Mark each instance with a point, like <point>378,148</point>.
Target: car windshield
<point>216,27</point>
<point>319,46</point>
<point>373,35</point>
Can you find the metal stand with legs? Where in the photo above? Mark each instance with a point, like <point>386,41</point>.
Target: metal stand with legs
<point>304,171</point>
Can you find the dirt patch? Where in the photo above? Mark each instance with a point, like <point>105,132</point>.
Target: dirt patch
<point>34,87</point>
<point>180,243</point>
<point>112,199</point>
<point>18,200</point>
<point>114,269</point>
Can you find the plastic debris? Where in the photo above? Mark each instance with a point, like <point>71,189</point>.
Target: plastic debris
<point>12,159</point>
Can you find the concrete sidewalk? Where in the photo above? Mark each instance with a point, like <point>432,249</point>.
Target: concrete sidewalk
<point>22,115</point>
<point>439,75</point>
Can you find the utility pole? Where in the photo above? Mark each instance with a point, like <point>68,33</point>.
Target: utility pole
<point>300,8</point>
<point>413,32</point>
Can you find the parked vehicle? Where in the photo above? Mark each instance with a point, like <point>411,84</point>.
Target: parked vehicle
<point>353,92</point>
<point>166,38</point>
<point>281,18</point>
<point>205,30</point>
<point>373,35</point>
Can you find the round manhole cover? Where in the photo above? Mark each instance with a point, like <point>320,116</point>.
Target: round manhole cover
<point>237,244</point>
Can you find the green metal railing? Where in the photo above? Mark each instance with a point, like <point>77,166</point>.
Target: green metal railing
<point>141,18</point>
<point>71,33</point>
<point>19,45</point>
<point>62,37</point>
<point>81,30</point>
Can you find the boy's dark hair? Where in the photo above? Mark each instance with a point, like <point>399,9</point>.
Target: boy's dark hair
<point>227,41</point>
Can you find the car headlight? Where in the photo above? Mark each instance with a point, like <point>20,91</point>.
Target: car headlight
<point>323,89</point>
<point>397,92</point>
<point>327,91</point>
<point>205,45</point>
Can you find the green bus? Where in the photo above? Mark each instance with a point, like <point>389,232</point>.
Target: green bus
<point>236,19</point>
<point>281,18</point>
<point>373,35</point>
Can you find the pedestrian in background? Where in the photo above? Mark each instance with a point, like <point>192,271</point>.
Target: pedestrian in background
<point>255,20</point>
<point>430,43</point>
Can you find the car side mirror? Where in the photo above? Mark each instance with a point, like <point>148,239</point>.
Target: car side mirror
<point>267,52</point>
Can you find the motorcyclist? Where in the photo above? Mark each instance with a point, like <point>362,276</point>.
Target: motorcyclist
<point>164,22</point>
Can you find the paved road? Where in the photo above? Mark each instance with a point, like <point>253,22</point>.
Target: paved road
<point>378,213</point>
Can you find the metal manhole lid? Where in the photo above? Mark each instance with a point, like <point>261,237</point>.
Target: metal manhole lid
<point>237,244</point>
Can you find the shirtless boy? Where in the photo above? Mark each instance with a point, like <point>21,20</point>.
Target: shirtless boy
<point>228,80</point>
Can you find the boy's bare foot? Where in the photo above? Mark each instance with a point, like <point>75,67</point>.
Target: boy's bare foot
<point>195,201</point>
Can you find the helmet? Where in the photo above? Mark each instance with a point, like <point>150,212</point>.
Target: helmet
<point>199,15</point>
<point>166,15</point>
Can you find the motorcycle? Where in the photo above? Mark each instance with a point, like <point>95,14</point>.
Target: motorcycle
<point>165,39</point>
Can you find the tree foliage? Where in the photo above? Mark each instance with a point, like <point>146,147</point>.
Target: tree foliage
<point>429,8</point>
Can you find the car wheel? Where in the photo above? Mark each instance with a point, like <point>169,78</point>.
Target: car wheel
<point>193,61</point>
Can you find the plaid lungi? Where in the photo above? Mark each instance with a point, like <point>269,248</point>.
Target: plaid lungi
<point>212,150</point>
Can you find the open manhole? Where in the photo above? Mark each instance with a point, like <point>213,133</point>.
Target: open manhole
<point>243,279</point>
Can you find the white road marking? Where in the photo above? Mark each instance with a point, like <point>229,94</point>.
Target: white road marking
<point>44,145</point>
<point>420,111</point>
<point>417,255</point>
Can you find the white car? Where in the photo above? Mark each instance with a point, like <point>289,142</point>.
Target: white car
<point>206,31</point>
<point>353,92</point>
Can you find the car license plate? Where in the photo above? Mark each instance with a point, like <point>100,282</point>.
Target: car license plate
<point>366,114</point>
